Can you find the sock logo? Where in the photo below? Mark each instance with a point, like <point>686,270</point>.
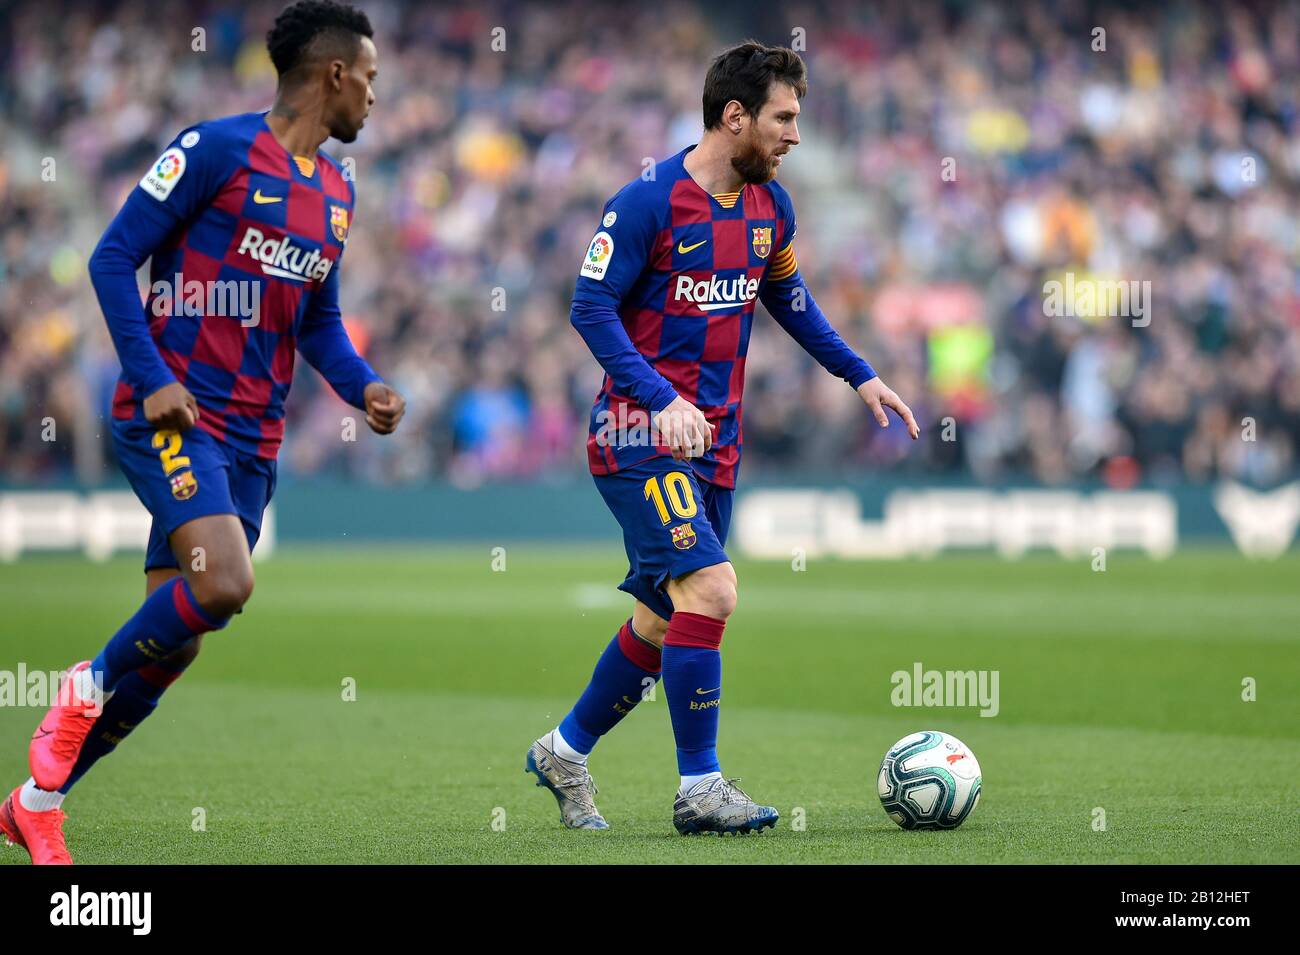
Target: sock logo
<point>707,692</point>
<point>705,704</point>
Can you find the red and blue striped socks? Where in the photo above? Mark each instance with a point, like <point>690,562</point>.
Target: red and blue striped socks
<point>627,668</point>
<point>168,619</point>
<point>692,662</point>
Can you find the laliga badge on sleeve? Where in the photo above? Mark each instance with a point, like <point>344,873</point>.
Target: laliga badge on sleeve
<point>598,256</point>
<point>163,175</point>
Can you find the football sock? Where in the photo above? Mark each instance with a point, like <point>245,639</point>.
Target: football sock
<point>38,800</point>
<point>624,671</point>
<point>166,621</point>
<point>136,697</point>
<point>690,782</point>
<point>693,685</point>
<point>566,752</point>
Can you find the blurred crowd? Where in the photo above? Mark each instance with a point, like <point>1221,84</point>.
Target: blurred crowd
<point>957,159</point>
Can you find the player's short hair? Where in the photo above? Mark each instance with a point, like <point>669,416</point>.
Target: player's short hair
<point>310,29</point>
<point>746,73</point>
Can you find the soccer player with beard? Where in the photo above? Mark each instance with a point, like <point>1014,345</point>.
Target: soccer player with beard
<point>665,300</point>
<point>246,201</point>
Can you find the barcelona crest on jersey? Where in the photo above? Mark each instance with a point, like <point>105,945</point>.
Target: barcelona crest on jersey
<point>762,241</point>
<point>683,536</point>
<point>339,222</point>
<point>184,486</point>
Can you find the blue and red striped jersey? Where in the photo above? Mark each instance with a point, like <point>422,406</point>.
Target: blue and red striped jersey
<point>244,240</point>
<point>665,299</point>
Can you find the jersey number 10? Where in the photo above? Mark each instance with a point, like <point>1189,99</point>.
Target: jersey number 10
<point>675,491</point>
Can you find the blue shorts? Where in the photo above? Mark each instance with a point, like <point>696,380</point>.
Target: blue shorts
<point>672,524</point>
<point>181,475</point>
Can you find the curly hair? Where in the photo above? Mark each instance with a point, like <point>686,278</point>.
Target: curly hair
<point>311,28</point>
<point>745,73</point>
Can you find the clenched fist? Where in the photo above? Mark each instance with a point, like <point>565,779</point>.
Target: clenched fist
<point>384,408</point>
<point>171,408</point>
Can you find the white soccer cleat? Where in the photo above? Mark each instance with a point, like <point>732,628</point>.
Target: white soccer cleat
<point>569,782</point>
<point>719,805</point>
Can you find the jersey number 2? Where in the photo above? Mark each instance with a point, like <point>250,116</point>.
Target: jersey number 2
<point>168,444</point>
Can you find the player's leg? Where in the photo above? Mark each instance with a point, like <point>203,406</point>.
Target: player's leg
<point>136,696</point>
<point>201,598</point>
<point>66,744</point>
<point>216,549</point>
<point>627,668</point>
<point>184,481</point>
<point>624,675</point>
<point>626,671</point>
<point>703,599</point>
<point>218,571</point>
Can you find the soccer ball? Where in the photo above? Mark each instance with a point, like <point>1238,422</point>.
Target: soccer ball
<point>929,780</point>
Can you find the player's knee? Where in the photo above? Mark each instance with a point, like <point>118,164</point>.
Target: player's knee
<point>223,594</point>
<point>653,629</point>
<point>713,591</point>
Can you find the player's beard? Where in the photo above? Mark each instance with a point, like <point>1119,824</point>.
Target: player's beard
<point>754,165</point>
<point>345,128</point>
<point>345,135</point>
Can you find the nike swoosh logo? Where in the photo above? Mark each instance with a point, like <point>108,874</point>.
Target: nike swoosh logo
<point>683,249</point>
<point>41,734</point>
<point>262,200</point>
<point>707,692</point>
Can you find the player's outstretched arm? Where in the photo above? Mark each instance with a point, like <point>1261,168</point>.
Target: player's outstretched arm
<point>791,303</point>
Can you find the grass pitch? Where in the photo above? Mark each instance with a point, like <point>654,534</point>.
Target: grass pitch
<point>1118,691</point>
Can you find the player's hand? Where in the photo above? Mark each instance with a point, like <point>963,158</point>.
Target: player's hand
<point>171,408</point>
<point>685,430</point>
<point>879,396</point>
<point>384,408</point>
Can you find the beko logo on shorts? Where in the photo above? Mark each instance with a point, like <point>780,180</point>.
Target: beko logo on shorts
<point>283,259</point>
<point>714,293</point>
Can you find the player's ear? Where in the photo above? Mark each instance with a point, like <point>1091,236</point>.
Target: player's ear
<point>733,116</point>
<point>337,69</point>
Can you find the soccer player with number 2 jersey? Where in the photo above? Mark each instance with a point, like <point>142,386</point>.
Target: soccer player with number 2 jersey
<point>237,212</point>
<point>665,300</point>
